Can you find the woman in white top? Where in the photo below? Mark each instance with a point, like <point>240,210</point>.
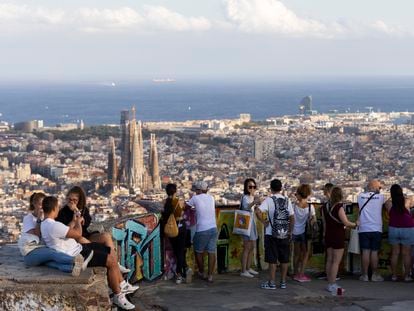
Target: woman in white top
<point>36,254</point>
<point>248,203</point>
<point>304,212</point>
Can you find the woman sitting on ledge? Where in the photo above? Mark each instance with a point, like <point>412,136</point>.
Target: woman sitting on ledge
<point>76,203</point>
<point>35,253</point>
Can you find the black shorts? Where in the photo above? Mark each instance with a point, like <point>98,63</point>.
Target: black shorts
<point>276,250</point>
<point>100,253</point>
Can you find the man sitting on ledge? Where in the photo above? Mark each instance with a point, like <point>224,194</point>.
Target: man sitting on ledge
<point>63,238</point>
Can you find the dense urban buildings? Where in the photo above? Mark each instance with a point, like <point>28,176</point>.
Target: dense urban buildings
<point>121,165</point>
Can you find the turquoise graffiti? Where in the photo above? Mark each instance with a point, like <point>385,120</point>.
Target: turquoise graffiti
<point>139,246</point>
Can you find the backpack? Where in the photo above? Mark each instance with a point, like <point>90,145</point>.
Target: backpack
<point>280,224</point>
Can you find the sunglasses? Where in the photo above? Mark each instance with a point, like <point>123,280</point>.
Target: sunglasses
<point>252,187</point>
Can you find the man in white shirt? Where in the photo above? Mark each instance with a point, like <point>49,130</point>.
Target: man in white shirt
<point>205,238</point>
<point>371,203</point>
<point>279,226</point>
<point>63,238</point>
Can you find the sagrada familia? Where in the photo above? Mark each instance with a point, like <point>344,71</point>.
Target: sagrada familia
<point>132,171</point>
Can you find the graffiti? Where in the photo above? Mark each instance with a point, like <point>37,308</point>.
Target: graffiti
<point>139,246</point>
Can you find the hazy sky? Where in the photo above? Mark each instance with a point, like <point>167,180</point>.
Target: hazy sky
<point>109,40</point>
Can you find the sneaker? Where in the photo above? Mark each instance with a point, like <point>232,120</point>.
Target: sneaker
<point>332,288</point>
<point>127,288</point>
<point>123,269</point>
<point>394,278</point>
<point>246,274</point>
<point>296,277</point>
<point>210,279</point>
<point>189,275</point>
<point>86,259</point>
<point>77,265</point>
<point>268,285</point>
<point>121,301</point>
<point>377,278</point>
<point>364,278</point>
<point>178,280</point>
<point>408,279</point>
<point>282,285</point>
<point>304,278</point>
<point>253,272</point>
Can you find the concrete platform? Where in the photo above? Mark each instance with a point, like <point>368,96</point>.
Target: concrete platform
<point>232,292</point>
<point>43,288</point>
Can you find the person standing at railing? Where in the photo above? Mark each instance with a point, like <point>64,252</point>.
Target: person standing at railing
<point>336,221</point>
<point>248,203</point>
<point>205,238</point>
<point>303,213</point>
<point>400,231</point>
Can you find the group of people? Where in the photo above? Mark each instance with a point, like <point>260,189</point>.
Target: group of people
<point>59,238</point>
<point>287,219</point>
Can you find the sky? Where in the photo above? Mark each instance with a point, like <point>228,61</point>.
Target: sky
<point>207,39</point>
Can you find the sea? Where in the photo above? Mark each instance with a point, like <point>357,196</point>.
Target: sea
<point>100,102</point>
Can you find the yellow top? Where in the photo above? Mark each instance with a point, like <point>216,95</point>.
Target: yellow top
<point>178,208</point>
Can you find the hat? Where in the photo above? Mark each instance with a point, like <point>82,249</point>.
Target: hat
<point>201,185</point>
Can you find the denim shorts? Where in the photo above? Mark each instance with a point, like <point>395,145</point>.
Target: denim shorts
<point>403,236</point>
<point>370,240</point>
<point>299,238</point>
<point>205,241</point>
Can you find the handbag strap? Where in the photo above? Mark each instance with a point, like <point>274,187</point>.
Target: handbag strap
<point>330,213</point>
<point>366,202</point>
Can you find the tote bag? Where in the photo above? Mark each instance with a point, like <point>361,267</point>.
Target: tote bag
<point>353,246</point>
<point>242,222</point>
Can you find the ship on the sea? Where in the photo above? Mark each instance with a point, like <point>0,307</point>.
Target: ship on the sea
<point>163,80</point>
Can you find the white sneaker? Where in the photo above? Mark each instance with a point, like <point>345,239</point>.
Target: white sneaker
<point>123,269</point>
<point>127,288</point>
<point>377,278</point>
<point>246,274</point>
<point>77,265</point>
<point>253,272</point>
<point>121,301</point>
<point>364,278</point>
<point>87,260</point>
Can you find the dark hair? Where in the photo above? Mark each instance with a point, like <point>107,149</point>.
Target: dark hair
<point>397,198</point>
<point>304,191</point>
<point>49,204</point>
<point>336,195</point>
<point>276,185</point>
<point>170,189</point>
<point>328,187</point>
<point>81,194</point>
<point>246,185</point>
<point>35,197</point>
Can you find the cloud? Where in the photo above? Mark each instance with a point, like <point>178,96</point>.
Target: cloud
<point>125,19</point>
<point>274,17</point>
<point>271,16</point>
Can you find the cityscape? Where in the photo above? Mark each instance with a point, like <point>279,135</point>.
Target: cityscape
<point>124,164</point>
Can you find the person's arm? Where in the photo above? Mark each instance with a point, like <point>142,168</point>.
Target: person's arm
<point>291,225</point>
<point>75,232</point>
<point>344,219</point>
<point>36,230</point>
<point>259,213</point>
<point>388,205</point>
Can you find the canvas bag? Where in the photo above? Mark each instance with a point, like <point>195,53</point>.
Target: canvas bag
<point>311,230</point>
<point>242,222</point>
<point>171,228</point>
<point>353,246</point>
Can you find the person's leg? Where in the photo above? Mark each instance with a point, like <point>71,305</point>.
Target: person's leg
<point>365,258</point>
<point>305,256</point>
<point>329,261</point>
<point>174,245</point>
<point>103,238</point>
<point>272,272</point>
<point>375,247</point>
<point>211,263</point>
<point>374,261</point>
<point>395,253</point>
<point>336,260</point>
<point>113,274</point>
<point>245,254</point>
<point>406,256</point>
<point>46,255</point>
<point>296,258</point>
<point>250,254</point>
<point>200,262</point>
<point>180,251</point>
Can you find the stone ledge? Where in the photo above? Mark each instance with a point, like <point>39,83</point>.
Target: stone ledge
<point>42,288</point>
